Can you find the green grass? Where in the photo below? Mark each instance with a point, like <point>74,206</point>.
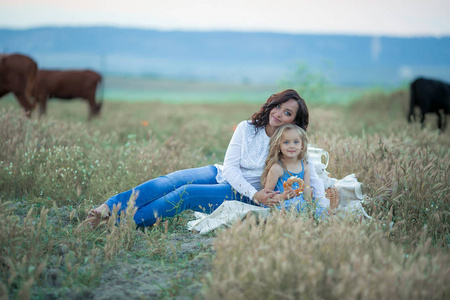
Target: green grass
<point>54,169</point>
<point>144,89</point>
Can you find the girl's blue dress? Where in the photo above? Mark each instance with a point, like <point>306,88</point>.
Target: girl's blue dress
<point>297,202</point>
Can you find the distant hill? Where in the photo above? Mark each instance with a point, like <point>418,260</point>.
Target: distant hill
<point>233,56</point>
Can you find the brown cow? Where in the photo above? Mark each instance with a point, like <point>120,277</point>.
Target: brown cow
<point>17,75</point>
<point>67,85</point>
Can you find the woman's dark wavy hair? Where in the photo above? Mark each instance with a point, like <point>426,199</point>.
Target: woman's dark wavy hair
<point>261,118</point>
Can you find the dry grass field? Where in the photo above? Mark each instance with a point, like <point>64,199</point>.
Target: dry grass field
<point>54,169</point>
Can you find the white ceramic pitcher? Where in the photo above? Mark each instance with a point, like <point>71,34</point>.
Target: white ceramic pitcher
<point>316,154</point>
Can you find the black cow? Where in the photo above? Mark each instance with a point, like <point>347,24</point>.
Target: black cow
<point>432,96</point>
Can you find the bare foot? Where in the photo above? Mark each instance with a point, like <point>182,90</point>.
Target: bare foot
<point>101,211</point>
<point>95,217</point>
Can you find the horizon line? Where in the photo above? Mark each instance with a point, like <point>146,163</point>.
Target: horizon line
<point>359,34</point>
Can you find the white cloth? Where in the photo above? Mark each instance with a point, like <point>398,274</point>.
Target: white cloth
<point>245,159</point>
<point>350,196</point>
<point>225,215</point>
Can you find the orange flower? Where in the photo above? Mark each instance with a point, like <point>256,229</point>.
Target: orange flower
<point>144,123</point>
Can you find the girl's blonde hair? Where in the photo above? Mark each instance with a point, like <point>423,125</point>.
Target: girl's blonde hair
<point>275,154</point>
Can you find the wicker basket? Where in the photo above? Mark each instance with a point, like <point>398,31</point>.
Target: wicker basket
<point>332,194</point>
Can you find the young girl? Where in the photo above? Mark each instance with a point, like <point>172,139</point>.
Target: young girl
<point>287,159</point>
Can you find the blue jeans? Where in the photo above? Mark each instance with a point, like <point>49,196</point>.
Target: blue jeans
<point>168,195</point>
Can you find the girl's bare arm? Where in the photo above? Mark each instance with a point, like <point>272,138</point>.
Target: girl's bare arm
<point>274,173</point>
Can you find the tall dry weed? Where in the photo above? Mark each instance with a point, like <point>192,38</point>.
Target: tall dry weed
<point>23,253</point>
<point>122,229</point>
<point>156,239</point>
<point>293,258</point>
<point>403,168</point>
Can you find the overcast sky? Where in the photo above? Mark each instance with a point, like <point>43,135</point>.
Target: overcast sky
<point>363,17</point>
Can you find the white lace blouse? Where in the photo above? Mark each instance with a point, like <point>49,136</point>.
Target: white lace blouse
<point>245,158</point>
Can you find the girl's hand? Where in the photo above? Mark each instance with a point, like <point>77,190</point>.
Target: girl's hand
<point>266,197</point>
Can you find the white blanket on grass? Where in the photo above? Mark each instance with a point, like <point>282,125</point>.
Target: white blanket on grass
<point>225,215</point>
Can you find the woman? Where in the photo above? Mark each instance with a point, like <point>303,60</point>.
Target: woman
<point>204,189</point>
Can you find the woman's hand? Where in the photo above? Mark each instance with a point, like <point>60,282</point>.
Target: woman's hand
<point>288,194</point>
<point>266,197</point>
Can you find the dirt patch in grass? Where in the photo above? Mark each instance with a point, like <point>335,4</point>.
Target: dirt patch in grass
<point>175,272</point>
<point>177,275</point>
